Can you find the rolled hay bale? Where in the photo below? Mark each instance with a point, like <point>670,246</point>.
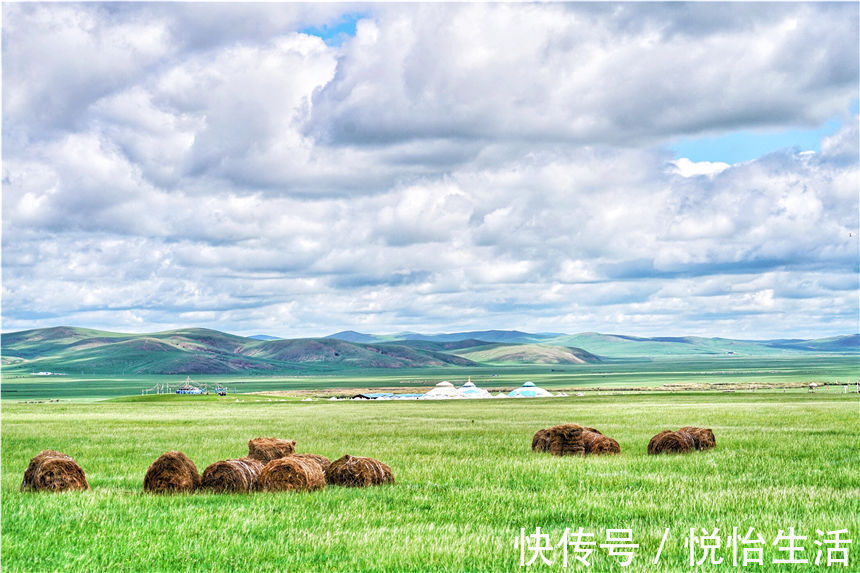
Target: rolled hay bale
<point>703,438</point>
<point>268,449</point>
<point>566,440</point>
<point>355,471</point>
<point>54,471</point>
<point>540,441</point>
<point>172,472</point>
<point>292,473</point>
<point>669,442</point>
<point>654,440</point>
<point>232,476</point>
<point>323,461</point>
<point>596,444</point>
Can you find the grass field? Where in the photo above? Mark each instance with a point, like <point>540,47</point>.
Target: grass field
<point>466,482</point>
<point>612,374</point>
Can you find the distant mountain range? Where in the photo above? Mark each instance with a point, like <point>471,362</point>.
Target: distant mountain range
<point>621,346</point>
<point>201,351</point>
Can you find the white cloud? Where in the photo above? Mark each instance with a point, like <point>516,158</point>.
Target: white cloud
<point>451,166</point>
<point>686,168</point>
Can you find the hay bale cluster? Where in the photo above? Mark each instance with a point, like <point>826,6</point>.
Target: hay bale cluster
<point>683,441</point>
<point>271,465</point>
<point>573,440</point>
<point>54,471</point>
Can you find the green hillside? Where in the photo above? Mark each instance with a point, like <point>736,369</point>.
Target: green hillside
<point>527,354</point>
<point>199,351</point>
<point>620,346</point>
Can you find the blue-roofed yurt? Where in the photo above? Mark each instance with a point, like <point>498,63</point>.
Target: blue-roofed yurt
<point>529,390</point>
<point>469,390</point>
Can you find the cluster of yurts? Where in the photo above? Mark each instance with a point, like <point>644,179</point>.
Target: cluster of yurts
<point>447,391</point>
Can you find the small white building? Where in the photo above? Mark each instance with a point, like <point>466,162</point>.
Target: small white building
<point>443,391</point>
<point>469,390</point>
<point>529,390</point>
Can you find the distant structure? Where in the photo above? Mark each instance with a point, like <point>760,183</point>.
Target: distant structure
<point>469,390</point>
<point>188,387</point>
<point>529,390</point>
<point>443,391</point>
<point>384,396</point>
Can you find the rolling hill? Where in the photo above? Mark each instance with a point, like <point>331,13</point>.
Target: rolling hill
<point>619,345</point>
<point>502,354</point>
<point>200,351</point>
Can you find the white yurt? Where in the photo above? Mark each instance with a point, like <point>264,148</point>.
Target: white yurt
<point>501,395</point>
<point>529,390</point>
<point>443,391</point>
<point>469,390</point>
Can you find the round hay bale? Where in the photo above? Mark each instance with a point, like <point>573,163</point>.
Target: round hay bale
<point>703,438</point>
<point>540,441</point>
<point>566,440</point>
<point>172,472</point>
<point>323,461</point>
<point>54,471</point>
<point>356,471</point>
<point>597,444</point>
<point>669,442</point>
<point>292,473</point>
<point>268,449</point>
<point>232,476</point>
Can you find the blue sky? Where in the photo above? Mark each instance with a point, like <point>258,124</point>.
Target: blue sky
<point>739,146</point>
<point>334,33</point>
<point>301,169</point>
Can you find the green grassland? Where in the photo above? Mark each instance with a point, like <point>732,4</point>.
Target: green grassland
<point>466,482</point>
<point>617,374</point>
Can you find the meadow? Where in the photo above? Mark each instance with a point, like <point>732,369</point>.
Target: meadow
<point>467,482</point>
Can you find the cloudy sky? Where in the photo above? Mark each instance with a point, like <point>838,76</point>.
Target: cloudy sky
<point>298,169</point>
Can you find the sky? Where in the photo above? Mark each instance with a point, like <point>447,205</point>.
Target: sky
<point>300,169</point>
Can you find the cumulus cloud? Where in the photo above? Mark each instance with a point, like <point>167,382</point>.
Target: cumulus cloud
<point>449,166</point>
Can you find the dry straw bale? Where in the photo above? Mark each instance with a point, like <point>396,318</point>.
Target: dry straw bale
<point>232,476</point>
<point>358,472</point>
<point>540,441</point>
<point>566,440</point>
<point>597,444</point>
<point>172,472</point>
<point>669,442</point>
<point>703,438</point>
<point>268,449</point>
<point>323,461</point>
<point>292,473</point>
<point>53,471</point>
